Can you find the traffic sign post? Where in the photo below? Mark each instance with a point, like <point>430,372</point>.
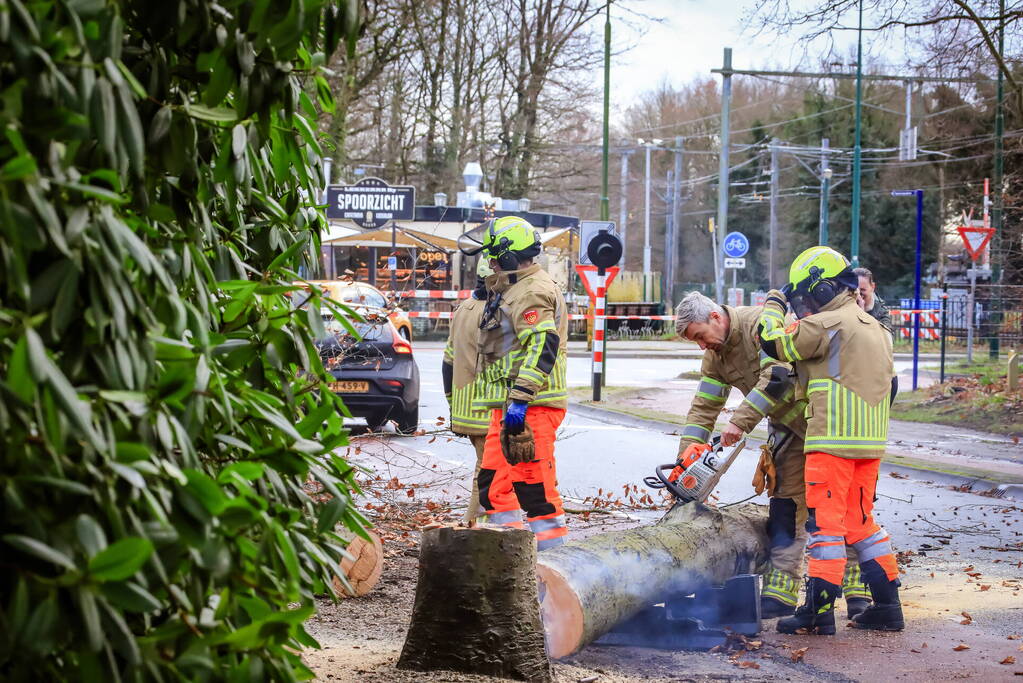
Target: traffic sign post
<point>735,247</point>
<point>604,251</point>
<point>919,194</point>
<point>975,239</point>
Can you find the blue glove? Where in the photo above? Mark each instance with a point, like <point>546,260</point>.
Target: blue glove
<point>515,417</point>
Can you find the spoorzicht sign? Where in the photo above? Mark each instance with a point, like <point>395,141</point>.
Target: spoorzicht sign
<point>371,203</point>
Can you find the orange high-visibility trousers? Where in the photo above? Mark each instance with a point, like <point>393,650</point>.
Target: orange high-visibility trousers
<point>840,501</point>
<point>506,490</point>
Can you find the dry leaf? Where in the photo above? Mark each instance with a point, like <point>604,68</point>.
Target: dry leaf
<point>1008,660</point>
<point>747,665</point>
<point>797,655</point>
<point>985,587</point>
<point>960,647</point>
<point>1014,636</point>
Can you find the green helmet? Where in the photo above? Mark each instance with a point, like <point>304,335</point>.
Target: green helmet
<point>508,240</point>
<point>816,277</point>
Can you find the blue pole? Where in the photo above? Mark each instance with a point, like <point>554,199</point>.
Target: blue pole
<point>916,288</point>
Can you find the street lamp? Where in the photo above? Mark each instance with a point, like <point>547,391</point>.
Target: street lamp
<point>648,144</point>
<point>919,194</point>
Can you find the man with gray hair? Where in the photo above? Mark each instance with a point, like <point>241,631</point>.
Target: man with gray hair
<point>733,358</point>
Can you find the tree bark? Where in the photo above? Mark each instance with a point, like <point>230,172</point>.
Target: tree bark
<point>476,608</point>
<point>589,586</point>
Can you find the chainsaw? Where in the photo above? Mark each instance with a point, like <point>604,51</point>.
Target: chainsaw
<point>697,471</point>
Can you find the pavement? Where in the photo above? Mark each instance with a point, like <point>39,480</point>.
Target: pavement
<point>961,552</point>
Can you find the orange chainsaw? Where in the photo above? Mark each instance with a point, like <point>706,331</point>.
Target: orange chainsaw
<point>697,471</point>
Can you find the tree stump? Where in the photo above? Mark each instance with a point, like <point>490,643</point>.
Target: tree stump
<point>363,569</point>
<point>476,608</point>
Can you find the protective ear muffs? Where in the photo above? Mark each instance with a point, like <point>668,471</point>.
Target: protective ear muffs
<point>504,256</point>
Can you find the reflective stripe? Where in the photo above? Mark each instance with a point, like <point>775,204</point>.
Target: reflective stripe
<point>834,354</point>
<point>696,433</point>
<point>781,587</point>
<point>852,583</point>
<point>508,518</point>
<point>826,551</point>
<point>712,390</point>
<point>849,442</point>
<point>764,358</point>
<point>548,543</point>
<point>760,401</point>
<point>540,525</point>
<point>874,546</point>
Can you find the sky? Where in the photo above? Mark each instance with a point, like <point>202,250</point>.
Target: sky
<point>690,40</point>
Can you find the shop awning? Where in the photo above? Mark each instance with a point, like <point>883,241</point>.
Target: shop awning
<point>403,237</point>
<point>559,239</point>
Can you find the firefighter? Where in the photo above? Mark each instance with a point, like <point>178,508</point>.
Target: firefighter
<point>733,358</point>
<point>461,381</point>
<point>843,359</point>
<point>522,358</point>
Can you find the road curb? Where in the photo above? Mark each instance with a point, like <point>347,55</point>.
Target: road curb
<point>1011,491</point>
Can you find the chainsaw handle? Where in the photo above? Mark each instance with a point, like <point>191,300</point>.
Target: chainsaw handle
<point>666,483</point>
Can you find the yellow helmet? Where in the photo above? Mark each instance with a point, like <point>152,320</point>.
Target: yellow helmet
<point>817,276</point>
<point>508,240</point>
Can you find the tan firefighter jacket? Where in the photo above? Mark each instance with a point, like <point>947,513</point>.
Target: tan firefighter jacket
<point>523,344</point>
<point>461,381</point>
<point>843,358</point>
<point>741,363</point>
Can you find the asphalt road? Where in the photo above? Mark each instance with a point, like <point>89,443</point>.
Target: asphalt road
<point>953,544</point>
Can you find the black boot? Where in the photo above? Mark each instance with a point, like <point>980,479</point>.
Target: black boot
<point>885,613</point>
<point>856,606</point>
<point>817,614</point>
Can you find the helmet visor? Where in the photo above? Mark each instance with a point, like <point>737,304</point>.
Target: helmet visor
<point>803,304</point>
<point>472,242</point>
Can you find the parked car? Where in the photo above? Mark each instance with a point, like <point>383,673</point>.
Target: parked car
<point>363,295</point>
<point>376,376</point>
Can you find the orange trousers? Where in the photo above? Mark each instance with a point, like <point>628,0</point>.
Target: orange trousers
<point>506,491</point>
<point>840,501</point>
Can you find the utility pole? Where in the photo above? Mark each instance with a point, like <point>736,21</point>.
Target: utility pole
<point>826,174</point>
<point>726,115</point>
<point>623,204</point>
<point>676,222</point>
<point>646,231</point>
<point>996,209</point>
<point>669,228</point>
<point>605,212</point>
<point>854,242</point>
<point>773,229</point>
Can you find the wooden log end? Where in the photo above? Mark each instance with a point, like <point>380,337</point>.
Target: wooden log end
<point>363,568</point>
<point>561,611</point>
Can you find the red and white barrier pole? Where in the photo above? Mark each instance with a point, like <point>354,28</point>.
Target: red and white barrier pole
<point>598,332</point>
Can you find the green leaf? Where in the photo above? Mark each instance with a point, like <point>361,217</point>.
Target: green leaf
<point>38,634</point>
<point>214,114</point>
<point>90,618</point>
<point>130,474</point>
<point>19,378</point>
<point>121,560</point>
<point>206,490</point>
<point>95,192</point>
<point>287,551</point>
<point>136,87</point>
<point>325,96</point>
<point>17,168</point>
<point>90,534</point>
<point>37,548</point>
<point>288,254</point>
<point>131,596</point>
<point>249,471</point>
<point>130,452</point>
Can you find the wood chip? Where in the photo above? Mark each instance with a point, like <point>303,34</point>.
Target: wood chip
<point>960,647</point>
<point>1008,660</point>
<point>797,655</point>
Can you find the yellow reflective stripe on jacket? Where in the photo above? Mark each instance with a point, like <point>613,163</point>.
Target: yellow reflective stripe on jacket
<point>695,432</point>
<point>712,390</point>
<point>851,422</point>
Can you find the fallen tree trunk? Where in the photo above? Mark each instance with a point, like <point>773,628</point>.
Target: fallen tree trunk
<point>476,608</point>
<point>590,585</point>
<point>477,611</point>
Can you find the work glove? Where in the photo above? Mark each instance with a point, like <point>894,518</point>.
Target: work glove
<point>515,417</point>
<point>765,476</point>
<point>518,447</point>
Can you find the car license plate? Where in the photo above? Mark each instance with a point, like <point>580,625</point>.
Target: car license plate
<point>349,387</point>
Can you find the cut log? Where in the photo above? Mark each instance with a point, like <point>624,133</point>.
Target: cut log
<point>476,608</point>
<point>590,585</point>
<point>363,568</point>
